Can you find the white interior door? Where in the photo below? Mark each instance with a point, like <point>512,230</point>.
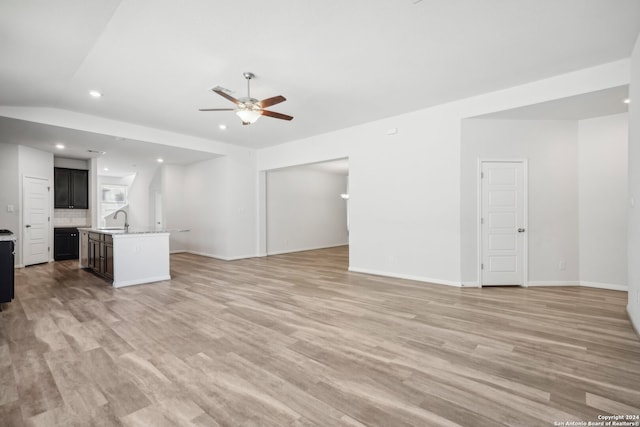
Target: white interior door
<point>502,222</point>
<point>35,220</point>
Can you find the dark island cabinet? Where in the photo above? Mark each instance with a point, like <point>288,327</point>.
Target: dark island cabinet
<point>71,188</point>
<point>65,243</point>
<point>7,250</point>
<point>100,254</point>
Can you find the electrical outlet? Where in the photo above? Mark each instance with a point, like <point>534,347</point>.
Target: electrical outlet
<point>562,265</point>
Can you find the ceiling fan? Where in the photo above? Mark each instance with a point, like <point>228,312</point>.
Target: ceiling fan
<point>250,109</point>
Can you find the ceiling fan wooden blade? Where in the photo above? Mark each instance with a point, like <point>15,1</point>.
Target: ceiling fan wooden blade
<point>275,115</point>
<point>216,109</point>
<point>271,101</point>
<point>221,91</point>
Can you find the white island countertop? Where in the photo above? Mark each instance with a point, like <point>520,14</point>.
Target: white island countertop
<point>132,230</point>
<point>8,237</point>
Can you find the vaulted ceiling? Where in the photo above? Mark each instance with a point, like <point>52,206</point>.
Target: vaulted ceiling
<point>338,63</point>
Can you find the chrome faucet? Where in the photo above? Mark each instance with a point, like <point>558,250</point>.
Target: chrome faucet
<point>126,224</point>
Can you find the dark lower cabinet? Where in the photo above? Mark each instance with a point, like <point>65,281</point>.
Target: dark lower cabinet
<point>65,243</point>
<point>95,252</point>
<point>6,270</point>
<point>108,257</point>
<point>100,256</point>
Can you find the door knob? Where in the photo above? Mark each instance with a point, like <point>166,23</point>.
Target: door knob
<point>520,230</point>
<point>28,226</point>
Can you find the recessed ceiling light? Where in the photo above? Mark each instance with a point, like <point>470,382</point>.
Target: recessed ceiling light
<point>222,127</point>
<point>160,160</point>
<point>95,93</point>
<point>60,146</point>
<point>627,101</point>
<point>106,169</point>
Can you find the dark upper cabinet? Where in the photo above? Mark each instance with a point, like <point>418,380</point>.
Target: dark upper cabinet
<point>71,188</point>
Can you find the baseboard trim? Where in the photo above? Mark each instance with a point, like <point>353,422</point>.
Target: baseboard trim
<point>549,283</point>
<point>610,286</point>
<point>178,251</point>
<point>471,285</point>
<point>141,281</point>
<point>289,251</point>
<point>406,276</point>
<point>220,257</point>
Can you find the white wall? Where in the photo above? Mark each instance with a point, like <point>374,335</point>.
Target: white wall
<point>603,149</point>
<point>633,306</point>
<point>139,196</point>
<point>240,202</point>
<point>204,192</point>
<point>173,201</point>
<point>305,210</point>
<point>220,198</point>
<point>155,186</point>
<point>63,162</point>
<point>405,200</point>
<point>551,148</point>
<point>38,164</point>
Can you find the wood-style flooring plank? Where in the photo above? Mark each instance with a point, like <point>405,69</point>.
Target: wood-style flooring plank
<point>297,340</point>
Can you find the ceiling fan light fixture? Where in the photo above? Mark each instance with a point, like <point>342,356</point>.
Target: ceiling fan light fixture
<point>248,115</point>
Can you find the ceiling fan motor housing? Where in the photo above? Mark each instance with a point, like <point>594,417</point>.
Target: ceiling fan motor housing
<point>250,103</point>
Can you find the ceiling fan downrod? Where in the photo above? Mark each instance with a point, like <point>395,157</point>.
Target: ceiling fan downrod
<point>248,76</point>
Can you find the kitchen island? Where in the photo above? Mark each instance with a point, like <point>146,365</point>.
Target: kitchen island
<point>126,258</point>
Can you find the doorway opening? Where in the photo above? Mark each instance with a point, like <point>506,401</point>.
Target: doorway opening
<point>306,207</point>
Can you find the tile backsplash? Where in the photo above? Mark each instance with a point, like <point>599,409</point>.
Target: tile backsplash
<point>71,218</point>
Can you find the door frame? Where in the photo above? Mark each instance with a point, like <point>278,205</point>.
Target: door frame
<point>21,219</point>
<point>525,243</point>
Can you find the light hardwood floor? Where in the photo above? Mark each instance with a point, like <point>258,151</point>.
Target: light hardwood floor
<point>296,340</point>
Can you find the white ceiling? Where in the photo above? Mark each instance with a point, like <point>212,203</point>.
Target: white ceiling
<point>336,167</point>
<point>121,156</point>
<point>339,63</point>
<point>586,106</point>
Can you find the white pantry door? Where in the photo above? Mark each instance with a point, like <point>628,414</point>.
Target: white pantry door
<point>502,222</point>
<point>35,220</point>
